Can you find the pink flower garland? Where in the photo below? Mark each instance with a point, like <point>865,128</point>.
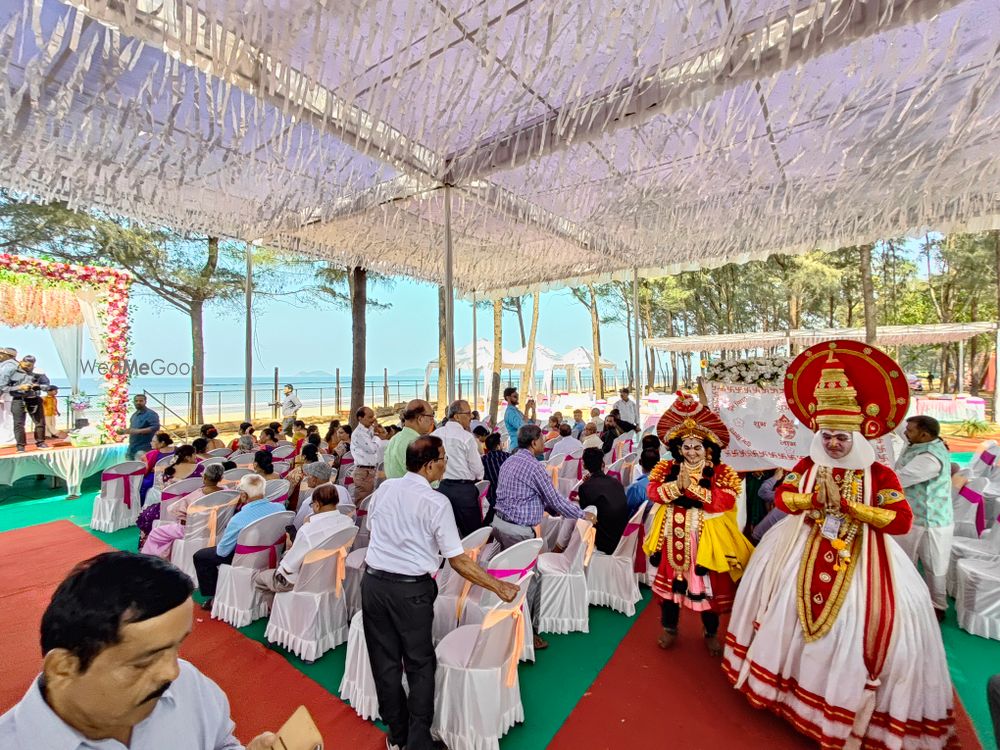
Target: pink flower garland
<point>112,287</point>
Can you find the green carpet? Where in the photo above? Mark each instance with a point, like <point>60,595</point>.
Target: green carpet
<point>550,688</point>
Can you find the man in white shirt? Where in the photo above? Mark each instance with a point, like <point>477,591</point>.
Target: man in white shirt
<point>591,437</point>
<point>566,443</point>
<point>412,527</point>
<point>628,410</point>
<point>320,526</point>
<point>110,673</point>
<point>596,419</point>
<point>365,449</point>
<point>464,469</point>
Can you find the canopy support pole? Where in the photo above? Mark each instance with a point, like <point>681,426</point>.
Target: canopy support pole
<point>449,295</point>
<point>475,358</point>
<point>961,368</point>
<point>248,352</point>
<point>638,355</point>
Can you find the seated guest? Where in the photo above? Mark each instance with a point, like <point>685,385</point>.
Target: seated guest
<point>254,507</point>
<point>493,459</point>
<point>322,522</point>
<point>650,442</point>
<point>263,465</point>
<point>183,467</point>
<point>552,429</point>
<point>110,673</point>
<point>200,446</point>
<point>478,422</point>
<point>331,435</point>
<point>614,428</point>
<point>160,541</point>
<point>590,437</point>
<point>245,444</point>
<point>211,435</point>
<point>566,443</point>
<point>636,492</point>
<point>314,476</point>
<point>578,424</point>
<point>308,455</point>
<point>343,441</point>
<point>595,419</point>
<point>481,433</point>
<point>268,440</point>
<point>162,446</point>
<point>276,428</point>
<point>608,496</point>
<point>245,429</point>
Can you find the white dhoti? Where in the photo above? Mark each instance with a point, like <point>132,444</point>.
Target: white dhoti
<point>931,546</point>
<point>821,686</point>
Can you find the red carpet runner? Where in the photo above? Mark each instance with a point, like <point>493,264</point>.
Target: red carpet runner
<point>263,688</point>
<point>648,698</point>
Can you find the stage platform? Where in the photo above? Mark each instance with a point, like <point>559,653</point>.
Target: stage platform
<point>70,464</point>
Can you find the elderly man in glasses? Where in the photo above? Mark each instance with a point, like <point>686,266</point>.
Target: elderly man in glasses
<point>464,469</point>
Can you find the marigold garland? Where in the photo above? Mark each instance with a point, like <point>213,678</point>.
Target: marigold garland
<point>112,288</point>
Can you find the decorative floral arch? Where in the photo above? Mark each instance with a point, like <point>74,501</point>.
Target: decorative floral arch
<point>44,294</point>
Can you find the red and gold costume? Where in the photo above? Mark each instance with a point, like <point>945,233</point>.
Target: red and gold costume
<point>832,617</point>
<point>695,528</point>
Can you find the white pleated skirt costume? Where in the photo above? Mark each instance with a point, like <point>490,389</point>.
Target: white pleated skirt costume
<point>822,686</point>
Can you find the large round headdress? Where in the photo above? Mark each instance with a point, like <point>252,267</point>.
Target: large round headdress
<point>847,385</point>
<point>688,417</point>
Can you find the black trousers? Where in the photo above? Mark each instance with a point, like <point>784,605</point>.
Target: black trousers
<point>670,615</point>
<point>206,565</point>
<point>993,701</point>
<point>397,619</point>
<point>20,408</point>
<point>464,499</point>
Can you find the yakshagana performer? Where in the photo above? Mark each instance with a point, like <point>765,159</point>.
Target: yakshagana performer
<point>694,533</point>
<point>833,627</point>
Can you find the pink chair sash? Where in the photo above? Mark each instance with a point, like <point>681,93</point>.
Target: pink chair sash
<point>988,458</point>
<point>107,476</point>
<point>976,499</point>
<point>615,475</point>
<point>508,572</point>
<point>272,550</point>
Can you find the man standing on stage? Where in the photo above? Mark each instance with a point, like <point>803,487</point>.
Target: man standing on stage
<point>8,363</point>
<point>24,385</point>
<point>924,470</point>
<point>141,427</point>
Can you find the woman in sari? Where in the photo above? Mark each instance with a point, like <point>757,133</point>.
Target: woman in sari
<point>160,540</point>
<point>162,446</point>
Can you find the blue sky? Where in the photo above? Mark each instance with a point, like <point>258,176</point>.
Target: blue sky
<point>297,339</point>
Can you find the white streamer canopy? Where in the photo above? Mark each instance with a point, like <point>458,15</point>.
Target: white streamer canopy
<point>581,138</point>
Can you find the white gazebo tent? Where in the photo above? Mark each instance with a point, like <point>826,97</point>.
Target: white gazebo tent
<point>479,363</point>
<point>498,149</point>
<point>576,360</point>
<point>543,362</point>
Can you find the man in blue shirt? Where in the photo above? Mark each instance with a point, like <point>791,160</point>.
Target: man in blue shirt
<point>513,417</point>
<point>578,424</point>
<point>636,492</point>
<point>141,427</point>
<point>208,560</point>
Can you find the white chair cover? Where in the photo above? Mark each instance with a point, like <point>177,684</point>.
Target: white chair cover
<point>564,606</point>
<point>258,547</point>
<point>611,579</point>
<point>281,468</point>
<point>477,696</point>
<point>117,505</point>
<point>206,520</point>
<point>282,443</point>
<point>173,492</point>
<point>967,500</point>
<point>355,565</point>
<point>977,598</point>
<point>234,475</point>
<point>312,618</point>
<point>649,575</point>
<point>276,490</point>
<point>242,459</point>
<point>453,590</point>
<point>358,684</point>
<point>483,488</point>
<point>220,452</point>
<point>986,548</point>
<point>622,446</point>
<point>615,470</point>
<point>282,452</point>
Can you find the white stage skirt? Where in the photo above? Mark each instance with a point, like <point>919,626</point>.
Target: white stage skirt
<point>72,465</point>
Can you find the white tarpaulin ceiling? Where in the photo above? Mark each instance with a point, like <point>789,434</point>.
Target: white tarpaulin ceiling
<point>581,138</point>
<point>933,333</point>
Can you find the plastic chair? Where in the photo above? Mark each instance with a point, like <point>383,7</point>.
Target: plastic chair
<point>206,520</point>
<point>173,492</point>
<point>281,468</point>
<point>977,597</point>
<point>477,695</point>
<point>117,505</point>
<point>312,618</point>
<point>483,488</point>
<point>258,547</point>
<point>283,444</point>
<point>615,470</point>
<point>611,579</point>
<point>453,590</point>
<point>986,547</point>
<point>563,606</point>
<point>242,459</point>
<point>345,475</point>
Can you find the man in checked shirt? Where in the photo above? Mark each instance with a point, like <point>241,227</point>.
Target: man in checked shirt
<point>524,493</point>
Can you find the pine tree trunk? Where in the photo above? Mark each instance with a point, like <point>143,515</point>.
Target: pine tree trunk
<point>528,379</point>
<point>519,309</point>
<point>195,415</point>
<point>868,294</point>
<point>358,285</point>
<point>595,329</point>
<point>442,389</point>
<point>497,359</point>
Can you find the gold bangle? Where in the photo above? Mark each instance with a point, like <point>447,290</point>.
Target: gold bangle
<point>797,500</point>
<point>877,517</point>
